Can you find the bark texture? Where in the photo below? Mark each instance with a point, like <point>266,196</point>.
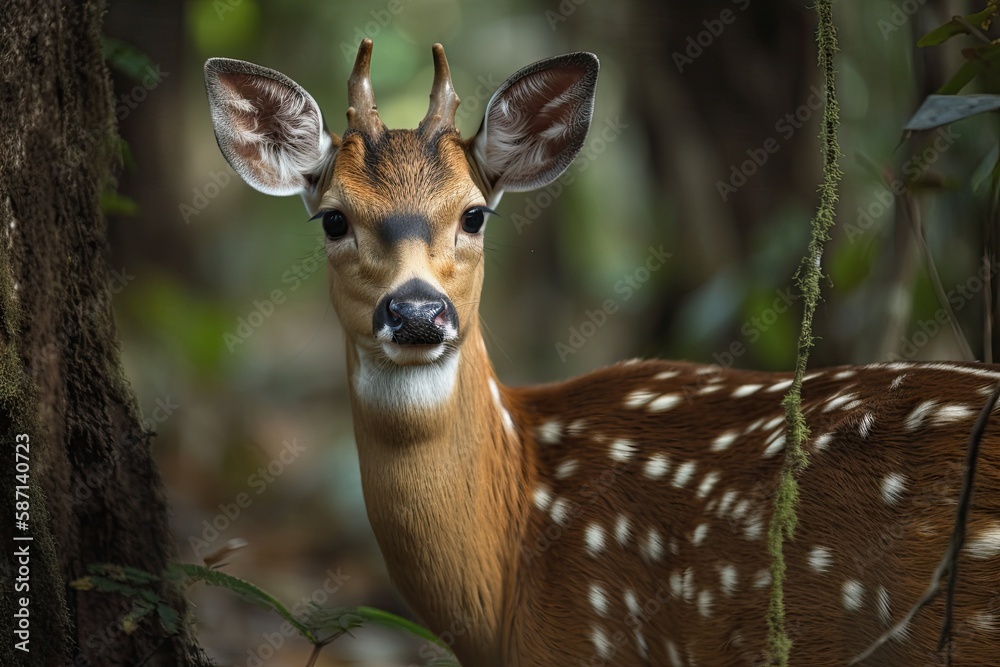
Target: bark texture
<point>96,496</point>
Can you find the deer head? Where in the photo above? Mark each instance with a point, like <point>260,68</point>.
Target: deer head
<point>404,211</point>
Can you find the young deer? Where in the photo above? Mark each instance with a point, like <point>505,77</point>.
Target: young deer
<point>618,518</point>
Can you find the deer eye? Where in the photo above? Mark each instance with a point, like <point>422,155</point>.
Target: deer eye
<point>335,223</point>
<point>474,219</point>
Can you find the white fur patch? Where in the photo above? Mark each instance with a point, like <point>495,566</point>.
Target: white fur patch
<point>391,386</point>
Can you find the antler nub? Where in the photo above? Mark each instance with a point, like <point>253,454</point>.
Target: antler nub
<point>444,100</point>
<point>362,113</point>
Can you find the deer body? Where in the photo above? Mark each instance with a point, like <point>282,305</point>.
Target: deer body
<point>619,518</point>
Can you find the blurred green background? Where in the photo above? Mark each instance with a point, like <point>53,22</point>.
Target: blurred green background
<point>692,96</point>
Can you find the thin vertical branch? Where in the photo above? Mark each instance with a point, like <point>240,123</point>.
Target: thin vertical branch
<point>783,520</point>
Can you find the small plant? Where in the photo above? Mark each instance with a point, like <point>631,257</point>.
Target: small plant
<point>317,625</point>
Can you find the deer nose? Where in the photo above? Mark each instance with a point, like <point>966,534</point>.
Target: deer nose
<point>415,314</point>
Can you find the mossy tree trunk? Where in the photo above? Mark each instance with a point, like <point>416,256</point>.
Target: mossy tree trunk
<point>95,495</point>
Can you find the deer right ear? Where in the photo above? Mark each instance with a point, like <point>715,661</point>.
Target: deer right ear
<point>536,123</point>
<point>269,128</point>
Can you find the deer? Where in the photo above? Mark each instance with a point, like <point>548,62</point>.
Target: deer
<point>618,518</point>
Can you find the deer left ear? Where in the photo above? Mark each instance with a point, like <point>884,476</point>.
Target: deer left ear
<point>536,123</point>
<point>269,128</point>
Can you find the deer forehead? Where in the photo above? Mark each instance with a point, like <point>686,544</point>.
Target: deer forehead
<point>402,176</point>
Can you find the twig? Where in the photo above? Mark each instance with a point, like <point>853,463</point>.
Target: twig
<point>973,30</point>
<point>949,562</point>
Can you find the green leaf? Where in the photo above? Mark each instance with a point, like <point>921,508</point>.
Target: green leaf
<point>334,621</point>
<point>169,618</point>
<point>980,61</point>
<point>955,27</point>
<point>938,110</point>
<point>398,622</point>
<point>247,591</point>
<point>131,620</point>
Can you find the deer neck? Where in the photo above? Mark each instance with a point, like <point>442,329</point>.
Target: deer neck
<point>444,485</point>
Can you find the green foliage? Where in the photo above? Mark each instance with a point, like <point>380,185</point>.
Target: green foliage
<point>318,625</point>
<point>960,25</point>
<point>141,587</point>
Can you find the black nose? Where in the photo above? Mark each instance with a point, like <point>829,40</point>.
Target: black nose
<point>415,314</point>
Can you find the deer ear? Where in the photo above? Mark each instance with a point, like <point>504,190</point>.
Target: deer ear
<point>536,123</point>
<point>268,127</point>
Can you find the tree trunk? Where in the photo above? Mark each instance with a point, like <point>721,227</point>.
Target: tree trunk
<point>95,495</point>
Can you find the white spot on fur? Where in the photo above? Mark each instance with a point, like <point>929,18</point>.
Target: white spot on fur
<point>746,390</point>
<point>741,509</point>
<point>664,402</point>
<point>560,511</point>
<point>657,466</point>
<point>728,579</point>
<point>685,472</point>
<point>709,388</point>
<point>984,621</point>
<point>865,427</point>
<point>549,432</point>
<point>598,600</point>
<point>723,441</point>
<point>652,548</point>
<point>780,386</point>
<point>576,428</point>
<point>986,544</point>
<point>676,584</point>
<point>622,529</point>
<point>774,446</point>
<point>947,414</point>
<point>843,375</point>
<point>632,604</point>
<point>754,527</point>
<point>754,426</point>
<point>839,401</point>
<point>601,644</point>
<point>893,486</point>
<point>675,657</point>
<point>622,450</point>
<point>543,498</point>
<point>567,468</point>
<point>699,534</point>
<point>853,595</point>
<point>689,584</point>
<point>883,605</point>
<point>705,603</point>
<point>762,579</point>
<point>822,442</point>
<point>897,381</point>
<point>916,418</point>
<point>820,559</point>
<point>774,422</point>
<point>728,498</point>
<point>594,537</point>
<point>707,484</point>
<point>666,375</point>
<point>638,398</point>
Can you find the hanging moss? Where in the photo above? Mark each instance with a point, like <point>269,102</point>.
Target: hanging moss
<point>784,519</point>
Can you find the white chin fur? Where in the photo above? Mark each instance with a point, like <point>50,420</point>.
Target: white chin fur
<point>406,355</point>
<point>422,377</point>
